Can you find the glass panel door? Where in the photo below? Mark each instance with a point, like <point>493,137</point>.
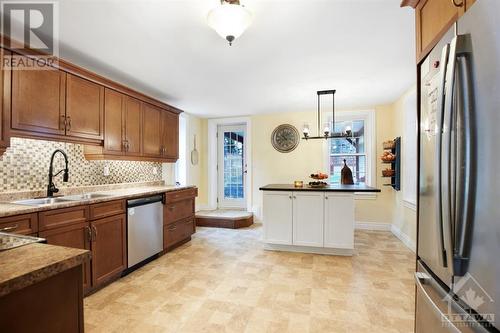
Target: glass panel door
<point>231,166</point>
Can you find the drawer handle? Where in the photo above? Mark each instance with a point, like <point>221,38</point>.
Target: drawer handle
<point>14,227</point>
<point>172,228</point>
<point>457,4</point>
<point>171,207</point>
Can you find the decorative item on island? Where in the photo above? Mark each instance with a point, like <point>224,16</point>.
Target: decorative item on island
<point>298,183</point>
<point>285,138</point>
<point>318,177</point>
<point>392,156</point>
<point>346,175</point>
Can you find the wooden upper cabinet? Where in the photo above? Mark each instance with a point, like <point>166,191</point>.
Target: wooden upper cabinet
<point>133,126</point>
<point>5,104</point>
<point>113,122</point>
<point>38,98</point>
<point>151,143</point>
<point>84,108</point>
<point>170,135</point>
<point>433,18</point>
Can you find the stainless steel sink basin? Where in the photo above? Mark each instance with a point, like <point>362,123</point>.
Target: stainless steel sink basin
<point>86,196</point>
<point>41,201</point>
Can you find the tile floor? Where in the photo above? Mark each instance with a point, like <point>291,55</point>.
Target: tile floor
<point>223,281</point>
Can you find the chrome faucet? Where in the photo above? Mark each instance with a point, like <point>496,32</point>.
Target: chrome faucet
<point>51,188</point>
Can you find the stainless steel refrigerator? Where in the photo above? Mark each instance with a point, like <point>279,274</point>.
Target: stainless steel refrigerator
<point>458,268</point>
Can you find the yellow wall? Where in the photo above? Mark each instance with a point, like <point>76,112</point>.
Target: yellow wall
<point>405,218</point>
<point>271,166</point>
<point>197,174</point>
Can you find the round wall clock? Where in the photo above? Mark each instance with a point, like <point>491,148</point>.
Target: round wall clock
<point>285,138</point>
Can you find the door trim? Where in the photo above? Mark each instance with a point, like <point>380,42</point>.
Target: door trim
<point>212,158</point>
<point>223,203</point>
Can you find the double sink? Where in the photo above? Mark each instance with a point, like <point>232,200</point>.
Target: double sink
<point>54,200</point>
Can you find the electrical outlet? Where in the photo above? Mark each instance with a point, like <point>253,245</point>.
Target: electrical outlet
<point>106,171</point>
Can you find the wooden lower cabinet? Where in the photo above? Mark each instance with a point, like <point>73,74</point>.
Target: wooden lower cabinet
<point>177,233</point>
<point>26,224</point>
<point>76,236</point>
<point>109,248</point>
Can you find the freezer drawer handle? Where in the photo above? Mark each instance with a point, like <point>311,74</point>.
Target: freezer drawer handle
<point>421,279</point>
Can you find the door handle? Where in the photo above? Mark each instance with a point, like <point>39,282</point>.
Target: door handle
<point>94,232</point>
<point>438,161</point>
<point>63,123</point>
<point>68,128</point>
<point>89,233</point>
<point>464,167</point>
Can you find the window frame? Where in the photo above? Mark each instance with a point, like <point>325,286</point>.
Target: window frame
<point>368,116</point>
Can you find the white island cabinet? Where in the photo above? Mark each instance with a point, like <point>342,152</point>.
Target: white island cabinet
<point>310,220</point>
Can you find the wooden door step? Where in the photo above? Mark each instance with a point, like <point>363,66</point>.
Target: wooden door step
<point>222,218</point>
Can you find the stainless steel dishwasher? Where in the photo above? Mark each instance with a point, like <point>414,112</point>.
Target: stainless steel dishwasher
<point>145,228</point>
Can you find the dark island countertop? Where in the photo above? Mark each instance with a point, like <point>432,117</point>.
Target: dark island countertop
<point>331,188</point>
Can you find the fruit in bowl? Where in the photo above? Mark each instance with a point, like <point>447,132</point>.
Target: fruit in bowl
<point>318,184</point>
<point>388,157</point>
<point>319,175</point>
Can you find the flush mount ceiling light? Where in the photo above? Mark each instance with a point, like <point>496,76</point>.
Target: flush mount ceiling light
<point>230,19</point>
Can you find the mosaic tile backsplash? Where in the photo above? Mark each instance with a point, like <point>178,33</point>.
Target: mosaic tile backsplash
<point>25,167</point>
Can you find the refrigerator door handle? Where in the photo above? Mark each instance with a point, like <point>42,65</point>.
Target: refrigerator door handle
<point>442,255</point>
<point>447,158</point>
<point>465,168</point>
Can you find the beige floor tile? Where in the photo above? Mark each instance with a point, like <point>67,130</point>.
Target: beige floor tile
<point>224,281</point>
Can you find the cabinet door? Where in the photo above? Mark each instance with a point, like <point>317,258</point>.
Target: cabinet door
<point>170,135</point>
<point>38,101</point>
<point>76,236</point>
<point>5,104</point>
<point>308,218</point>
<point>433,19</point>
<point>277,213</point>
<point>109,248</point>
<point>84,108</point>
<point>339,220</point>
<point>113,122</point>
<point>151,131</point>
<point>133,126</point>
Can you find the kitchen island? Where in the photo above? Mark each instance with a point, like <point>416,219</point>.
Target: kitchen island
<point>41,288</point>
<point>309,219</point>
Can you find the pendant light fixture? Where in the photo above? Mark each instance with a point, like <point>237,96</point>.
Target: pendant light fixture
<point>328,133</point>
<point>230,19</point>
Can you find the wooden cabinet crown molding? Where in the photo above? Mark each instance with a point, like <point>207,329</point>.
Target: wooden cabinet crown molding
<point>409,3</point>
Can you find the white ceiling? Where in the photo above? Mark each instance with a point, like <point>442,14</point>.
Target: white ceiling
<point>164,48</point>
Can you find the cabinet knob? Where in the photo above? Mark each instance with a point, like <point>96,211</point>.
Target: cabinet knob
<point>326,198</point>
<point>290,197</point>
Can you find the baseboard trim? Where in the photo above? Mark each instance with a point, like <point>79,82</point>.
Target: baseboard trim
<point>373,226</point>
<point>309,249</point>
<point>404,238</point>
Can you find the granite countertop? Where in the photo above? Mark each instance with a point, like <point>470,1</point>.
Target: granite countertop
<point>331,188</point>
<point>30,264</point>
<point>9,209</point>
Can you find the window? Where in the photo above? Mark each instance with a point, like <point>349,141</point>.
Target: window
<point>356,149</point>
